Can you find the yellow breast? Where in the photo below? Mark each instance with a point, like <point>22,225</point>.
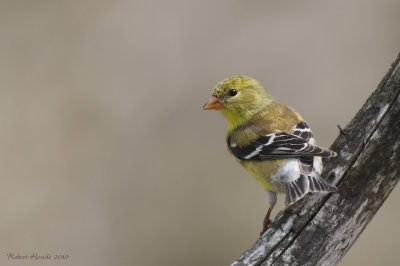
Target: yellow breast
<point>261,171</point>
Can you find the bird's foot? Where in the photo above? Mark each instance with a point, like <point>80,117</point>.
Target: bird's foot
<point>266,225</point>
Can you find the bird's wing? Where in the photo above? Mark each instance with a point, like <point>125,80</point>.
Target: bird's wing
<point>279,145</point>
<point>302,130</point>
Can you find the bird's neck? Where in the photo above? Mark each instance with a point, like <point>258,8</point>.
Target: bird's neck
<point>235,119</point>
<point>239,117</point>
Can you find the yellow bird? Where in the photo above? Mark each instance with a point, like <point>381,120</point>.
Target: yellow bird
<point>270,140</point>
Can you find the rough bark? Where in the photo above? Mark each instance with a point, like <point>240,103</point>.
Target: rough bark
<point>320,229</point>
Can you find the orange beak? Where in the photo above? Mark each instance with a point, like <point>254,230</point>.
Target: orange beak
<point>213,103</point>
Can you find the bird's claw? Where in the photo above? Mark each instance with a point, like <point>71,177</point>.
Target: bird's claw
<point>266,225</point>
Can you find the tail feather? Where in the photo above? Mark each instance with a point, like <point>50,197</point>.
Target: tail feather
<point>318,184</point>
<point>296,189</point>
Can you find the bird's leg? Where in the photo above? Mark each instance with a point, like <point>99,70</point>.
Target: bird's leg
<point>266,222</point>
<point>271,199</point>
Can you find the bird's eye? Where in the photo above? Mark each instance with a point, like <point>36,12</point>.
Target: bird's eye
<point>233,92</point>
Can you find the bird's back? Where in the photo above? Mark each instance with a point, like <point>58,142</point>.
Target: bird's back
<point>273,118</point>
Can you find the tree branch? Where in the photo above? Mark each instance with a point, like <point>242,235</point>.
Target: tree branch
<point>320,229</point>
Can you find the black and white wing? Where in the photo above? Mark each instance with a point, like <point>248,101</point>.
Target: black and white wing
<point>302,130</point>
<point>280,145</point>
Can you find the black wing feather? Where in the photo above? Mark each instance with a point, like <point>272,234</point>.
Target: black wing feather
<point>280,145</point>
<point>303,131</point>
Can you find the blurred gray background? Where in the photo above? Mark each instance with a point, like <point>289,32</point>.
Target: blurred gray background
<point>106,155</point>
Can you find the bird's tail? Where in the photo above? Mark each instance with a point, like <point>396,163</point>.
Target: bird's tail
<point>296,189</point>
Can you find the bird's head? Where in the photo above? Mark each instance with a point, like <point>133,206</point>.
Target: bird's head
<point>238,98</point>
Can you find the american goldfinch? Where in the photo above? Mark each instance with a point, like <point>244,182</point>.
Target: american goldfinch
<point>270,140</point>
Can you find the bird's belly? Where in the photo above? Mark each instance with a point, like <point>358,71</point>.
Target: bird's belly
<point>262,172</point>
